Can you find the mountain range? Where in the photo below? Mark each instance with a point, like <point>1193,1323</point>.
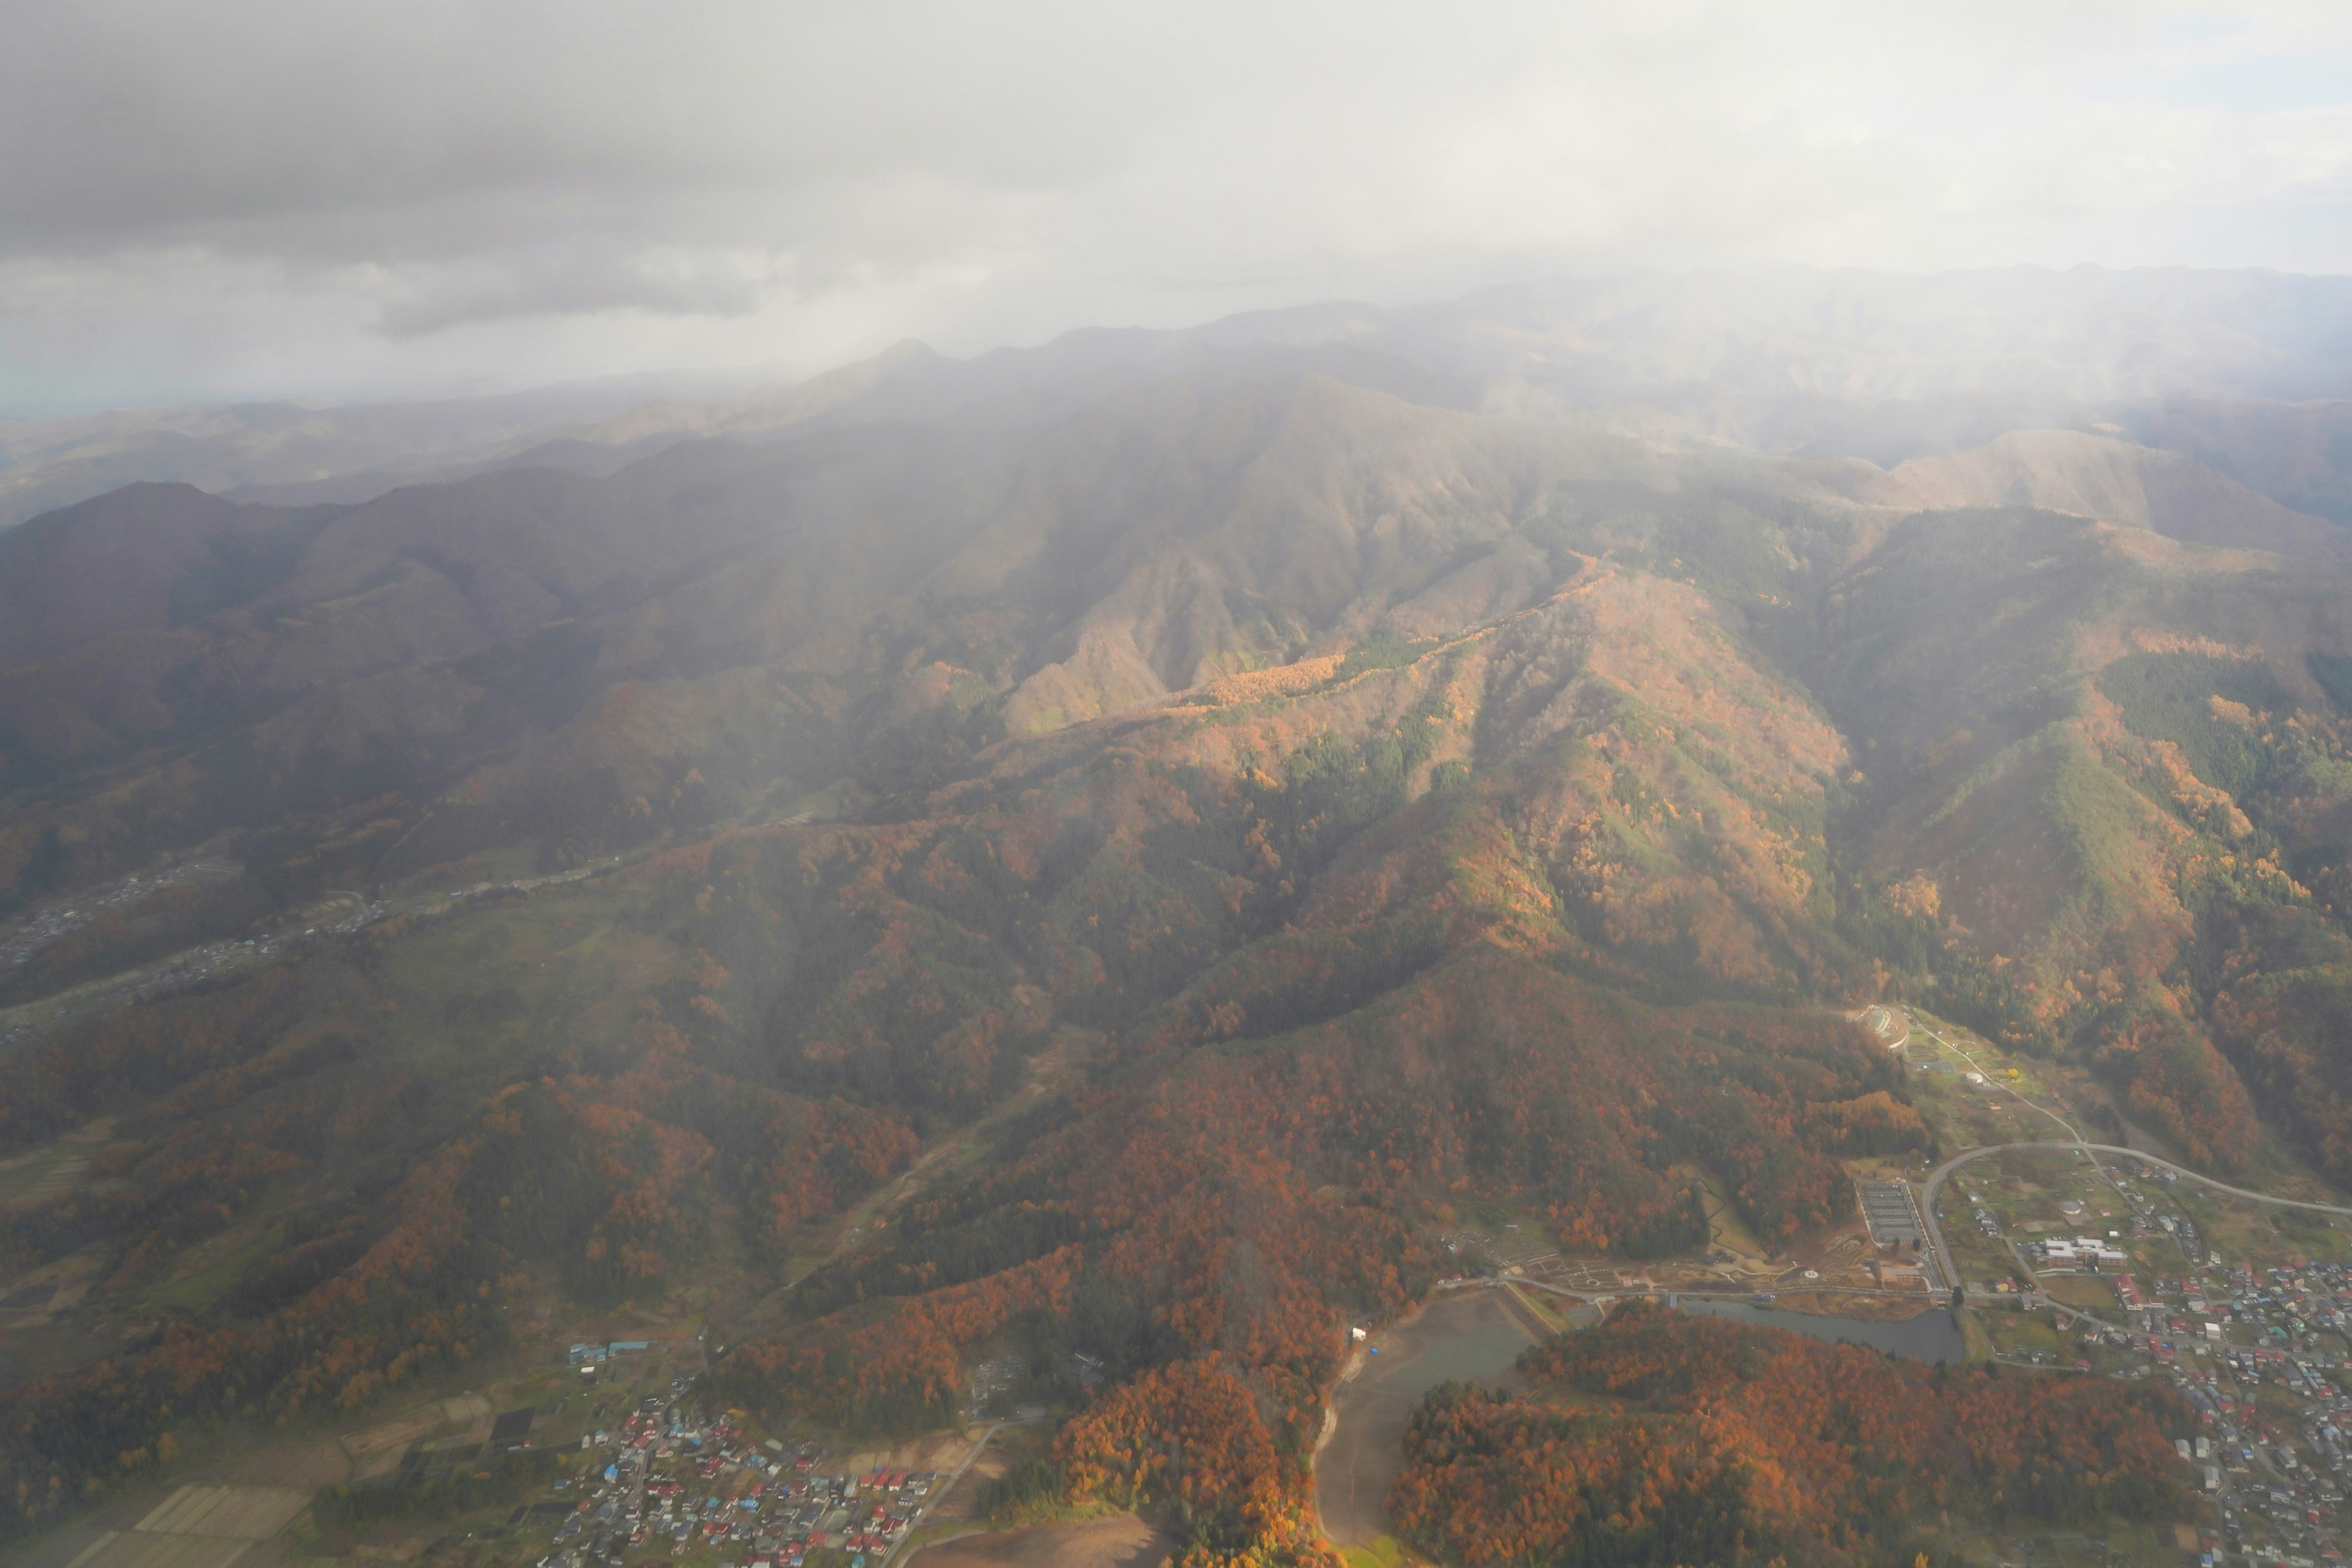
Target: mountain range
<point>1173,811</point>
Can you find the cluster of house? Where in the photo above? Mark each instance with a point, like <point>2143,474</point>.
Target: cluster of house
<point>2183,1229</point>
<point>39,930</point>
<point>724,1491</point>
<point>2280,1309</point>
<point>198,963</point>
<point>2288,1304</point>
<point>2282,1502</point>
<point>2179,1226</point>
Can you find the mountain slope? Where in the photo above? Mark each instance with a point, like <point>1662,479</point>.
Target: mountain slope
<point>2114,481</point>
<point>1167,858</point>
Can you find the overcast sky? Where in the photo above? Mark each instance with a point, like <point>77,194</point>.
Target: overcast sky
<point>344,198</point>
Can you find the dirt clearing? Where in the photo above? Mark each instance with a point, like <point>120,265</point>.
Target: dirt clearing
<point>1473,1336</point>
<point>1122,1543</point>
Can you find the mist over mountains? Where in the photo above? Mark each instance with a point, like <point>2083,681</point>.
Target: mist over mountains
<point>1847,364</point>
<point>1174,811</point>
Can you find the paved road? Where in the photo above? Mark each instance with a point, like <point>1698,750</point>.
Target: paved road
<point>1935,1181</point>
<point>938,1496</point>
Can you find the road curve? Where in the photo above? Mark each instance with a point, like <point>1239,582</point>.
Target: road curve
<point>1935,1181</point>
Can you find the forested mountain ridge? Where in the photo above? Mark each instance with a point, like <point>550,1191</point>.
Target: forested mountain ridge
<point>1239,812</point>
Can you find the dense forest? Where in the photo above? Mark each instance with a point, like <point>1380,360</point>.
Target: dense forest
<point>1662,1438</point>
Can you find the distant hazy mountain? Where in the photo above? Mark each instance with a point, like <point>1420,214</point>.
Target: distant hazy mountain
<point>224,447</point>
<point>1842,363</point>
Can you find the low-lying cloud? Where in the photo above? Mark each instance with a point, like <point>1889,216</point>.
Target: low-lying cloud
<point>255,198</point>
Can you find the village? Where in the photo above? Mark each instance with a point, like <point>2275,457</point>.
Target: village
<point>620,1462</point>
<point>2083,1263</point>
<point>2068,1262</point>
<point>679,1481</point>
<point>44,926</point>
<point>2255,1338</point>
<point>334,917</point>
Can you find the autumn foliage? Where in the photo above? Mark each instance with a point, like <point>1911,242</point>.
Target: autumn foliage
<point>1187,1444</point>
<point>606,1182</point>
<point>1664,1438</point>
<point>1209,1225</point>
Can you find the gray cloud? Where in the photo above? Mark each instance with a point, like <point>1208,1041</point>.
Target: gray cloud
<point>587,282</point>
<point>263,196</point>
